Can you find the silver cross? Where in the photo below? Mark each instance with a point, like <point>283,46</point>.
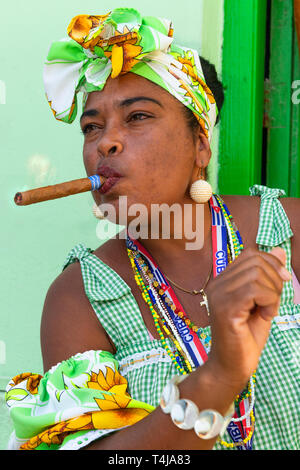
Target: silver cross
<point>205,301</point>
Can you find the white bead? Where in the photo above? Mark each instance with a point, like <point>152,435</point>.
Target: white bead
<point>202,425</point>
<point>209,424</point>
<point>184,414</point>
<point>169,396</point>
<point>201,191</point>
<point>178,379</point>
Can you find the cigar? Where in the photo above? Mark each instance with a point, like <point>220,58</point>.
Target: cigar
<point>47,193</point>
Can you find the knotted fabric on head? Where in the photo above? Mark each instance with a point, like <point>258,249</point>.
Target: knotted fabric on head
<point>122,41</point>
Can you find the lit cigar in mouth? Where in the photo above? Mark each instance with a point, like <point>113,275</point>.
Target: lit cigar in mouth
<point>47,193</point>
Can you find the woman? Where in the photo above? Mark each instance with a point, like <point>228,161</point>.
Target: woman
<point>138,131</point>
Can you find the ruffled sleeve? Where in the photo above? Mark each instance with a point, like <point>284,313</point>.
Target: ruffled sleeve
<point>274,230</point>
<point>274,225</point>
<point>75,402</point>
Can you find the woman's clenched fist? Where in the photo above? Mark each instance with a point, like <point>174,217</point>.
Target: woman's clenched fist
<point>243,300</point>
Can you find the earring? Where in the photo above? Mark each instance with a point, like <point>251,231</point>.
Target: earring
<point>201,190</point>
<point>97,212</point>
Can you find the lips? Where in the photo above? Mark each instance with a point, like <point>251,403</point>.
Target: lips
<point>112,177</point>
<point>108,172</point>
<point>109,183</point>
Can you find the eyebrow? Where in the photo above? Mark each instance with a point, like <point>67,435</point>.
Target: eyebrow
<point>130,101</point>
<point>122,104</point>
<point>89,112</point>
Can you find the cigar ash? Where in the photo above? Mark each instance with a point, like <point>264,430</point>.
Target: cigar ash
<point>18,198</point>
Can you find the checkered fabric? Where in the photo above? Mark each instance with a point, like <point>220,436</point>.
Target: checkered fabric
<point>148,368</point>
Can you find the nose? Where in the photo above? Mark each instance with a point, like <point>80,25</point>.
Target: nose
<point>110,143</point>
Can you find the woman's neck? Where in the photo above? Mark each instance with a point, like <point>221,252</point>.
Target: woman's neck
<point>167,247</point>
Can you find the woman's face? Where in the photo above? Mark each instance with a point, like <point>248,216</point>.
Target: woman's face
<point>139,130</point>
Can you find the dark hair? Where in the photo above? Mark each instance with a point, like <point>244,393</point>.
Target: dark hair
<point>213,82</point>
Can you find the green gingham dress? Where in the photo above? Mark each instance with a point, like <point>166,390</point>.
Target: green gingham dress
<point>147,367</point>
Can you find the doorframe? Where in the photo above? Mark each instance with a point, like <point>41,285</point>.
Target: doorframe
<point>259,129</point>
<point>243,68</point>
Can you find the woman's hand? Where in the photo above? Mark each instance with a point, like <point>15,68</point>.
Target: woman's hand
<point>243,300</point>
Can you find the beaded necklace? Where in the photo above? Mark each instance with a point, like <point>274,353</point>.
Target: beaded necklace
<point>190,343</point>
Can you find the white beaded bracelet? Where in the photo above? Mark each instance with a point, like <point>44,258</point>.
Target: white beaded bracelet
<point>185,413</point>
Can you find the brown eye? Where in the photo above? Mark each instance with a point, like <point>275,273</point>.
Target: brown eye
<point>88,128</point>
<point>138,117</point>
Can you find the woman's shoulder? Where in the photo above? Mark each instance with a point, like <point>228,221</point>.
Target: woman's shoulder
<point>249,206</point>
<point>107,255</point>
<point>245,212</point>
<point>291,206</point>
<point>243,203</point>
<point>292,209</point>
<point>113,253</point>
<point>69,324</point>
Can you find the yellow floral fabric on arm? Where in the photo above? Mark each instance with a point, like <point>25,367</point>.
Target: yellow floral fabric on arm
<point>85,394</point>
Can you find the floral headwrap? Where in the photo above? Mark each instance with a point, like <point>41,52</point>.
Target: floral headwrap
<point>120,42</point>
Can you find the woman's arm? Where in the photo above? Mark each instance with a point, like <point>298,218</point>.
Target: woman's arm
<point>157,430</point>
<point>292,208</point>
<point>69,324</point>
<point>243,300</point>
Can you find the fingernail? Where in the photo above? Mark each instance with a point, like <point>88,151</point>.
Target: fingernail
<point>285,274</point>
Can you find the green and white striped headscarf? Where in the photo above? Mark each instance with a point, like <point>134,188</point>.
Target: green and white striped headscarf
<point>123,41</point>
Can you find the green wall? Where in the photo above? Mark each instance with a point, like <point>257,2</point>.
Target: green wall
<point>36,151</point>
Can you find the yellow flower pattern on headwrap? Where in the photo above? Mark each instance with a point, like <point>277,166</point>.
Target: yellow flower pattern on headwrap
<point>119,42</point>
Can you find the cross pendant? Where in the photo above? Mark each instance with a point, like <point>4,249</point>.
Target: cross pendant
<point>205,301</point>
